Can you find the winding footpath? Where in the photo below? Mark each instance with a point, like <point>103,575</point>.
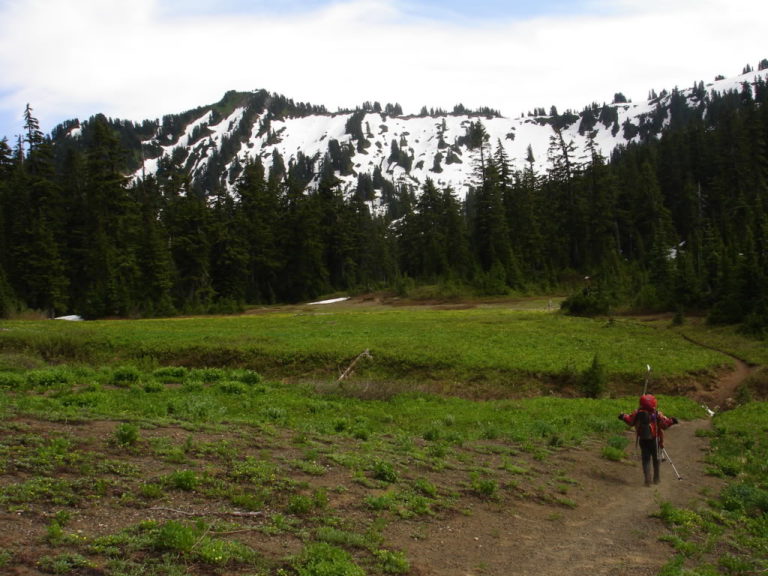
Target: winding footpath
<point>612,529</point>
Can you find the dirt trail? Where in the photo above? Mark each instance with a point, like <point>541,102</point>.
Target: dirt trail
<point>721,396</point>
<point>610,531</point>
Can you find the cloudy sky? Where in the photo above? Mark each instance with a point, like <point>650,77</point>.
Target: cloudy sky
<point>137,59</point>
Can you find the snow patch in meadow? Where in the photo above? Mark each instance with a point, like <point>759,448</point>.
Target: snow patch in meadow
<point>331,301</point>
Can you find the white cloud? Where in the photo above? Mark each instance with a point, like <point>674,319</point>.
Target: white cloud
<point>131,59</point>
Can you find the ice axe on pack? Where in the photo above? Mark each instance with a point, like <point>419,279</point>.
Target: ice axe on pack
<point>647,377</point>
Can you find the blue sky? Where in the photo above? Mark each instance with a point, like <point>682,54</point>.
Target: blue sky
<point>138,59</point>
<point>443,10</point>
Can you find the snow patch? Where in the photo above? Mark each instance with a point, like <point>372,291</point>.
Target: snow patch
<point>331,301</point>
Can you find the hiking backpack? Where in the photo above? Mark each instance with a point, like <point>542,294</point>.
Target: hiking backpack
<point>645,425</point>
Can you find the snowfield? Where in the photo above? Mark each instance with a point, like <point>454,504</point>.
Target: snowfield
<point>423,138</point>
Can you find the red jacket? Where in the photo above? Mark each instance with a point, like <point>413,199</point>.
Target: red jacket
<point>658,423</point>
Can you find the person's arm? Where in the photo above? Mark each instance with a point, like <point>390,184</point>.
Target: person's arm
<point>628,419</point>
<point>665,422</point>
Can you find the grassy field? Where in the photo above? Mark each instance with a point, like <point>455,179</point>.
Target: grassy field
<point>257,477</point>
<point>506,346</point>
<point>234,437</point>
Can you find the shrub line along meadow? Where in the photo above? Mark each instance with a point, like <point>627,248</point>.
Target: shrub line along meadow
<point>256,444</point>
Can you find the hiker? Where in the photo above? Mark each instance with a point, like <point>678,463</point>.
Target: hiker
<point>649,426</point>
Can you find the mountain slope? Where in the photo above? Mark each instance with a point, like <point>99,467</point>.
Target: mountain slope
<point>213,142</point>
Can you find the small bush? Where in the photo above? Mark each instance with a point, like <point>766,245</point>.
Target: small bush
<point>153,387</point>
<point>151,491</point>
<point>185,480</point>
<point>300,504</point>
<point>208,375</point>
<point>233,387</point>
<point>383,502</point>
<point>175,536</point>
<point>170,374</point>
<point>425,487</point>
<point>585,304</point>
<point>64,563</point>
<point>248,377</point>
<point>275,413</point>
<point>332,535</point>
<point>11,380</point>
<point>485,487</point>
<point>124,376</point>
<point>322,559</point>
<point>745,498</point>
<point>126,434</point>
<point>49,378</point>
<point>5,557</point>
<point>384,471</point>
<point>219,552</point>
<point>614,454</point>
<point>340,424</point>
<point>251,502</point>
<point>593,379</point>
<point>619,442</point>
<point>392,562</point>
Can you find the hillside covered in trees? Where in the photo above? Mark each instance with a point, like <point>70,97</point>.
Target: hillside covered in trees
<point>674,219</point>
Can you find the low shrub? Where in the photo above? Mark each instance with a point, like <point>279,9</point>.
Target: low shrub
<point>170,374</point>
<point>11,380</point>
<point>384,471</point>
<point>323,559</point>
<point>126,434</point>
<point>124,376</point>
<point>392,562</point>
<point>49,378</point>
<point>185,480</point>
<point>586,304</point>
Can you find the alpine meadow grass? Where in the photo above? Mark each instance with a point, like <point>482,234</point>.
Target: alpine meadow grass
<point>197,418</point>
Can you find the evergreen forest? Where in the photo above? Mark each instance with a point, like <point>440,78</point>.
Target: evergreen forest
<point>671,223</point>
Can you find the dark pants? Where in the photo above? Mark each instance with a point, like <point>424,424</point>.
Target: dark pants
<point>649,452</point>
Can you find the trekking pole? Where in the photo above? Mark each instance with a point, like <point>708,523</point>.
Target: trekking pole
<point>666,455</point>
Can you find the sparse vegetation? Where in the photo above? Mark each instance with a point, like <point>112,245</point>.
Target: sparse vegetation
<point>219,459</point>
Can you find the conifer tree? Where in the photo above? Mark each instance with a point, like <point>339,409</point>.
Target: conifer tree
<point>567,207</point>
<point>35,213</point>
<point>303,274</point>
<point>229,252</point>
<point>155,265</point>
<point>490,234</point>
<point>259,207</point>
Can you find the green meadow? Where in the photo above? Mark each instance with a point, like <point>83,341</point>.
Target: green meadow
<point>234,440</point>
<point>505,345</point>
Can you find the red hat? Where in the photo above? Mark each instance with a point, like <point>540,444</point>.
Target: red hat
<point>648,402</point>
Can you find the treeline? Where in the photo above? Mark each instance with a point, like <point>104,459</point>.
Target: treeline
<point>676,223</point>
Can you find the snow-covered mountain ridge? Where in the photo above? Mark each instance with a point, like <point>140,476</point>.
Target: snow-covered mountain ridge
<point>214,142</point>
